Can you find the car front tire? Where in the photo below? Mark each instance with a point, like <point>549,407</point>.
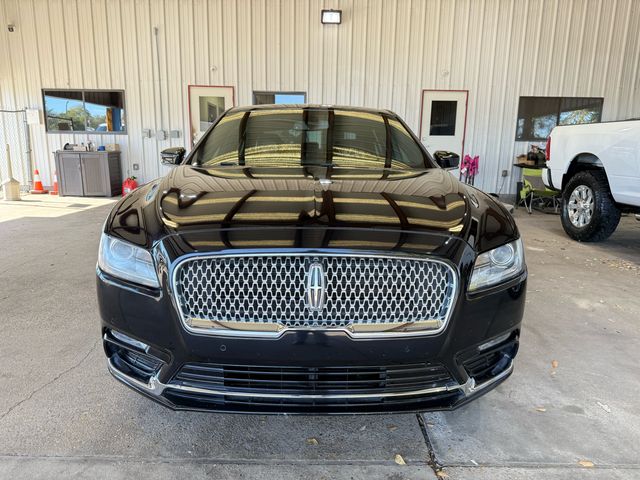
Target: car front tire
<point>589,213</point>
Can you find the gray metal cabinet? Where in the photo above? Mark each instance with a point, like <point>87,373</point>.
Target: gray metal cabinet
<point>69,169</point>
<point>89,174</point>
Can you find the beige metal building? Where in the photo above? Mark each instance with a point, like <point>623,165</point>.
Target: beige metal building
<point>456,70</point>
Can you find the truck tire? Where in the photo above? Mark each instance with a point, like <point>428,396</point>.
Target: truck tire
<point>589,213</point>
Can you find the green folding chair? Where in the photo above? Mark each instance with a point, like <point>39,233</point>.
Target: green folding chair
<point>534,190</point>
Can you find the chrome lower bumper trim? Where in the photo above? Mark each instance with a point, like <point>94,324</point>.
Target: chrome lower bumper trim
<point>156,388</point>
<point>473,388</point>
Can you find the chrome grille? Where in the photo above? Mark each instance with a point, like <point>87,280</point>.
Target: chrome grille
<point>271,289</point>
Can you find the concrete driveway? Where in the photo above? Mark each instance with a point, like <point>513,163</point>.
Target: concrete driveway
<point>570,410</point>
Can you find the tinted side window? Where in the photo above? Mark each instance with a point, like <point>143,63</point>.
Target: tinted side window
<point>221,146</point>
<point>405,149</point>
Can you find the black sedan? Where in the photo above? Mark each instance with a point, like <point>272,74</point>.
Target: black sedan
<point>310,259</point>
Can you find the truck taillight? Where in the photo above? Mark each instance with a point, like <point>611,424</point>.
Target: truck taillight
<point>547,150</point>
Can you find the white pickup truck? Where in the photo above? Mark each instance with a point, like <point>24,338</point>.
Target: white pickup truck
<point>597,168</point>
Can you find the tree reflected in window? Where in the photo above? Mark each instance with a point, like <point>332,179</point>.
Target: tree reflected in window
<point>538,115</point>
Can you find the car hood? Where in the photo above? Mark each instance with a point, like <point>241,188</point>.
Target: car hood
<point>311,207</point>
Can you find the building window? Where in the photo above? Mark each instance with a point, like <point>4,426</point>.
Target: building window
<point>279,98</point>
<point>538,115</point>
<point>443,117</point>
<point>89,111</point>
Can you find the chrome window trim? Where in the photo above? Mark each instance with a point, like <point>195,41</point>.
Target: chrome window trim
<point>391,332</point>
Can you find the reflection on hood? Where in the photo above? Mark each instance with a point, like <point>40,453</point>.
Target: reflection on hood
<point>402,200</point>
<point>310,207</point>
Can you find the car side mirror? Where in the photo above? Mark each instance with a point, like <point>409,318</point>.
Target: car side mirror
<point>172,156</point>
<point>447,160</point>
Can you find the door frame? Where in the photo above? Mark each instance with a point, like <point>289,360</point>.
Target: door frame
<point>466,111</point>
<point>189,87</point>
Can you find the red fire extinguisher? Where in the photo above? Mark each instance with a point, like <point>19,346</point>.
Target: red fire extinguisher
<point>129,185</point>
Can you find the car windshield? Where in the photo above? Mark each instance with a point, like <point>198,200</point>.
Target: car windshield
<point>310,137</point>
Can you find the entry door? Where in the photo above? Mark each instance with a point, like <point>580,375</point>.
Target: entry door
<point>444,120</point>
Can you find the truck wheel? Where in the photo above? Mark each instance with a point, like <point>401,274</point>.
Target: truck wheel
<point>589,213</point>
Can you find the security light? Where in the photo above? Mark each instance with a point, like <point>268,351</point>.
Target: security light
<point>331,17</point>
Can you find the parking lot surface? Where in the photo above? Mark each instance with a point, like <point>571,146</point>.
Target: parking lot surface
<point>570,410</point>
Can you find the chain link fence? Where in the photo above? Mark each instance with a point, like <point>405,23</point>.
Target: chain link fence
<point>14,132</point>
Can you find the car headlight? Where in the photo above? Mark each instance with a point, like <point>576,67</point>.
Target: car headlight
<point>126,261</point>
<point>498,265</point>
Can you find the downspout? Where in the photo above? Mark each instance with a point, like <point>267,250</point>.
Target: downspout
<point>156,31</point>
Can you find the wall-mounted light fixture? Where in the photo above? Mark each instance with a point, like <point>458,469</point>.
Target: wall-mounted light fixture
<point>332,17</point>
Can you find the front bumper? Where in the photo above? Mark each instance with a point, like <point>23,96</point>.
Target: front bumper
<point>149,316</point>
<point>182,397</point>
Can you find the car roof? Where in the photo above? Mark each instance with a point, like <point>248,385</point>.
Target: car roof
<point>249,108</point>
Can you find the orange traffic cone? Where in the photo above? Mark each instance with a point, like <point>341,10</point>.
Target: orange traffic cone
<point>37,184</point>
<point>55,184</point>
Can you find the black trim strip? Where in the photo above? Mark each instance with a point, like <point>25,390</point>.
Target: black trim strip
<point>329,143</point>
<point>388,149</point>
<point>242,140</point>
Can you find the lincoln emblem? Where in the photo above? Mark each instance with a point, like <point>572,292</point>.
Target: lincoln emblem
<point>315,287</point>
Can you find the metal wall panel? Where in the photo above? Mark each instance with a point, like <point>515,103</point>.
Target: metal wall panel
<point>382,55</point>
